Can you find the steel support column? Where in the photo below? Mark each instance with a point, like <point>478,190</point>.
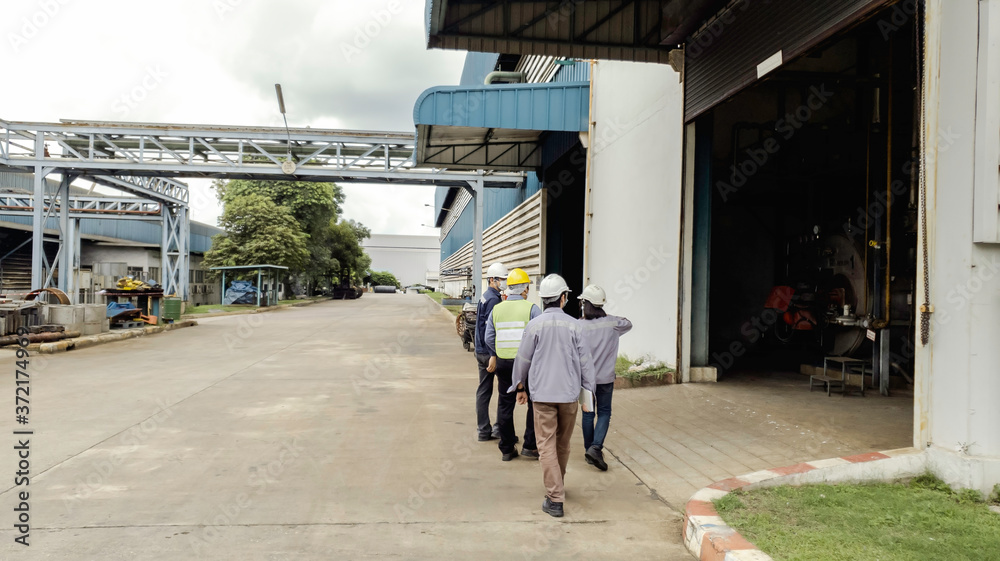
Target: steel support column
<point>174,251</point>
<point>37,222</point>
<point>477,249</point>
<point>65,261</point>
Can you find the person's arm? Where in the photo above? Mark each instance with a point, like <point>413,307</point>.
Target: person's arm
<point>623,326</point>
<point>535,312</point>
<point>490,341</point>
<point>588,378</point>
<point>522,362</point>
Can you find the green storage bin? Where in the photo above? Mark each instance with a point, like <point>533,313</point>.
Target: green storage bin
<point>172,309</point>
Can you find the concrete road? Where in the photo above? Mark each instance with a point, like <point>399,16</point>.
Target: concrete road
<point>342,430</point>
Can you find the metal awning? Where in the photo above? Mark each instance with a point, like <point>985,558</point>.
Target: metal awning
<point>634,30</point>
<point>495,127</point>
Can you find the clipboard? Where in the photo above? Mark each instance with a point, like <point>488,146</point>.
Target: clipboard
<point>587,400</point>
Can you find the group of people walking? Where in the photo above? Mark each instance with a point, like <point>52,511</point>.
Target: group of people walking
<point>543,358</point>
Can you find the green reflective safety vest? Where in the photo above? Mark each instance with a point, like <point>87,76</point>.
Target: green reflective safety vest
<point>509,320</point>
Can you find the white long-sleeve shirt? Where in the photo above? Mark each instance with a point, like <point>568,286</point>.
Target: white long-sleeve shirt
<point>553,359</point>
<point>601,336</point>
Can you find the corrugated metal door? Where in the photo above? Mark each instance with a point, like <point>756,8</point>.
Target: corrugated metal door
<point>752,37</point>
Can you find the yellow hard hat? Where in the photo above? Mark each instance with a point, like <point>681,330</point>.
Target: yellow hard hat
<point>517,276</point>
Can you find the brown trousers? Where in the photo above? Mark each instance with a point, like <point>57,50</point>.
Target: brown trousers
<point>554,425</point>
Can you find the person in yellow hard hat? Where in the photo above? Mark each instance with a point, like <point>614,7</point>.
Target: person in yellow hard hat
<point>504,328</point>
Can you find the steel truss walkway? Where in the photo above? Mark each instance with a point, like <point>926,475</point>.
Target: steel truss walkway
<point>143,158</point>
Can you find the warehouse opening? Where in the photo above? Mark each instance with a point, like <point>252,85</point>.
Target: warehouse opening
<point>806,211</point>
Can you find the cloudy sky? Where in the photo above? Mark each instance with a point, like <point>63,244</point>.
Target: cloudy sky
<point>341,64</point>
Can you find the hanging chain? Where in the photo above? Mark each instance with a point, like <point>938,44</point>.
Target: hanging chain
<point>925,309</point>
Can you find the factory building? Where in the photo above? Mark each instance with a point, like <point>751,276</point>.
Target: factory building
<point>765,186</point>
<point>412,259</point>
<point>112,246</point>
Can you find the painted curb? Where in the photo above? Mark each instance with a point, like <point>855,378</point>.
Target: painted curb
<point>110,337</point>
<point>709,538</point>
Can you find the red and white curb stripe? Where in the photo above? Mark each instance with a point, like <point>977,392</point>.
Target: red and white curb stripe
<point>709,538</point>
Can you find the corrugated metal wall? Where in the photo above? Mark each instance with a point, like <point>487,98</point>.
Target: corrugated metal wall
<point>515,240</point>
<point>126,230</point>
<point>577,72</point>
<point>496,204</point>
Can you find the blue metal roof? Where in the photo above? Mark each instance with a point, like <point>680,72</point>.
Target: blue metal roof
<point>562,106</point>
<point>496,127</point>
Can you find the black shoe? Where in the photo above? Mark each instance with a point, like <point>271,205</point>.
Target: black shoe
<point>510,456</point>
<point>586,457</point>
<point>594,453</point>
<point>552,509</point>
<point>529,453</point>
<point>485,437</point>
<point>496,435</point>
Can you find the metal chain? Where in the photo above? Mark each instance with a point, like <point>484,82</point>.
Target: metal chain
<point>925,308</point>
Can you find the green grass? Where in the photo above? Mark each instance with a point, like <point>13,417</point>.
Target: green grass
<point>921,519</point>
<point>298,300</point>
<point>210,308</point>
<point>623,363</point>
<point>436,296</point>
<point>455,309</point>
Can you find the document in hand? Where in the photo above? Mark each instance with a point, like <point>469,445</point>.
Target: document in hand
<point>587,400</point>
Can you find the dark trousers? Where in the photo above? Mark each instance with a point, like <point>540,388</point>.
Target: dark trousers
<point>505,410</point>
<point>483,395</point>
<point>594,435</point>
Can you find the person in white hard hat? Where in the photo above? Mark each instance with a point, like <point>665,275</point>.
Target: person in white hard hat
<point>553,360</point>
<point>504,330</point>
<point>496,277</point>
<point>601,333</point>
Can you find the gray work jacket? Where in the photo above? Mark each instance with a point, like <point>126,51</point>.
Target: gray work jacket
<point>491,331</point>
<point>601,335</point>
<point>553,360</point>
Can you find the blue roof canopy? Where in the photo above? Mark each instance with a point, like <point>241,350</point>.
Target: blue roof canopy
<point>495,127</point>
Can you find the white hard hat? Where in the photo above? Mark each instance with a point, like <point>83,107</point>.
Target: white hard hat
<point>496,271</point>
<point>593,294</point>
<point>552,286</point>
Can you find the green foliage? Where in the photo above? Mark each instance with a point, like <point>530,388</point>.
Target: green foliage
<point>922,519</point>
<point>656,370</point>
<point>259,231</point>
<point>312,240</point>
<point>384,278</point>
<point>994,498</point>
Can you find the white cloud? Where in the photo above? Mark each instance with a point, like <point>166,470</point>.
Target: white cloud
<point>216,62</point>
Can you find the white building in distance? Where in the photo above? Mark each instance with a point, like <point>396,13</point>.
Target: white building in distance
<point>413,259</point>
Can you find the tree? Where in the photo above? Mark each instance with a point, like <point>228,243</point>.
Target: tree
<point>332,245</point>
<point>345,239</point>
<point>384,278</point>
<point>258,231</point>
